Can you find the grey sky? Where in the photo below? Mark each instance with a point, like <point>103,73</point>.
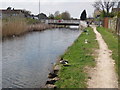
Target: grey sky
<point>74,7</point>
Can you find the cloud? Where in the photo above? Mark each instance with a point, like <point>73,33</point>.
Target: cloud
<point>74,8</point>
<point>47,1</point>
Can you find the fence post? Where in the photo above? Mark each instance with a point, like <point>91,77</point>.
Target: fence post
<point>118,26</point>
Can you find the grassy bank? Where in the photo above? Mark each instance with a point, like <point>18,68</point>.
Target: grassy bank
<point>79,55</point>
<point>18,26</point>
<point>112,41</point>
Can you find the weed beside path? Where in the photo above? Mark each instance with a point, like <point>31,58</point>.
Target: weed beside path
<point>79,56</point>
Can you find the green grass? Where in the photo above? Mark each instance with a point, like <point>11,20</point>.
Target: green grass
<point>79,56</point>
<point>112,41</point>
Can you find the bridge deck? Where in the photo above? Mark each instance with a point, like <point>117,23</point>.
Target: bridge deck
<point>75,24</point>
<point>64,22</point>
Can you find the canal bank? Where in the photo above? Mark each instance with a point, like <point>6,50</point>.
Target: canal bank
<point>80,56</point>
<point>81,59</point>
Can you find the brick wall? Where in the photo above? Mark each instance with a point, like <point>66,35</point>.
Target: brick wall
<point>105,22</point>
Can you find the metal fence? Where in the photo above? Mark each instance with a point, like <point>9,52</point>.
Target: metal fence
<point>62,21</point>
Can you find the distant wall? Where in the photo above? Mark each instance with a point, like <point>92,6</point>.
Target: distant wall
<point>82,25</point>
<point>113,24</point>
<point>6,15</point>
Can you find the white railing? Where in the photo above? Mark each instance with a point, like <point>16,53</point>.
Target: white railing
<point>81,23</point>
<point>63,21</point>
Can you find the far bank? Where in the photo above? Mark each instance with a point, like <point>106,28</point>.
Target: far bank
<point>16,26</point>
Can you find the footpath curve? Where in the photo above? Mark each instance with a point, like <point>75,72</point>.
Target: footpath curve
<point>104,74</point>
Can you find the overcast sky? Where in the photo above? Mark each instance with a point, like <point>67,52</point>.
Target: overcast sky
<point>74,7</point>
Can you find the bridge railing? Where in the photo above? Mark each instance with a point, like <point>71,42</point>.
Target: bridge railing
<point>62,21</point>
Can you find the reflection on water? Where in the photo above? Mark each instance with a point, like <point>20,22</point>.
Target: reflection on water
<point>27,59</point>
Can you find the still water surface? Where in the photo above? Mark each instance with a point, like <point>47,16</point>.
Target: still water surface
<point>27,60</point>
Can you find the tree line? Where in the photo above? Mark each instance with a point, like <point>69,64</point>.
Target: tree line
<point>105,6</point>
<point>57,15</point>
<point>64,15</point>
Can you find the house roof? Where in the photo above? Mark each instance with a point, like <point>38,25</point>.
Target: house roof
<point>10,11</point>
<point>14,11</point>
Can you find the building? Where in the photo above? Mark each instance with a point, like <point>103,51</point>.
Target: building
<point>4,13</point>
<point>115,10</point>
<point>42,16</point>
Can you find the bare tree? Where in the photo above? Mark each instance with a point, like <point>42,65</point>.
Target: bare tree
<point>105,5</point>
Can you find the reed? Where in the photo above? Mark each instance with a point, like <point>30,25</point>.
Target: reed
<point>14,26</point>
<point>40,27</point>
<point>17,26</point>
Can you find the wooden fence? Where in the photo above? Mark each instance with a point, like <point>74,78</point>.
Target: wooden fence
<point>112,22</point>
<point>118,26</point>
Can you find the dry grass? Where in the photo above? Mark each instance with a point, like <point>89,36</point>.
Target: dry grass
<point>14,26</point>
<point>18,26</point>
<point>39,27</point>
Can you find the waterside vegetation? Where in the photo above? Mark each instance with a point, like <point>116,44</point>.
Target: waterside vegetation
<point>17,26</point>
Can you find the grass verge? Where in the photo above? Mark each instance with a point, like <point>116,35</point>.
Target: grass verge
<point>79,56</point>
<point>112,41</point>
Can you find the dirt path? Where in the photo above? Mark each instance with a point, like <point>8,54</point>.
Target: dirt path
<point>103,75</point>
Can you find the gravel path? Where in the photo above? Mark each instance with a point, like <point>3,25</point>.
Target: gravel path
<point>104,74</point>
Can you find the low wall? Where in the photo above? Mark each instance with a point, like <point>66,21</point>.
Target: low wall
<point>82,25</point>
<point>114,24</point>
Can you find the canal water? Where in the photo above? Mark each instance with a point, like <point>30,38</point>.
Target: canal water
<point>27,60</point>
